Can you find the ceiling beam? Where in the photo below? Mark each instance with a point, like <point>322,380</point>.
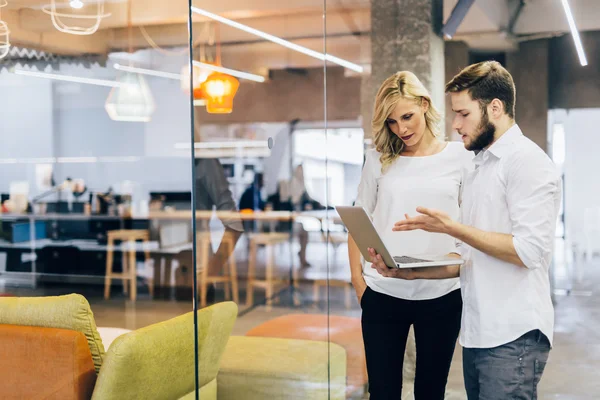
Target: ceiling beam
<point>159,12</point>
<point>290,27</point>
<point>485,28</point>
<point>497,11</point>
<point>259,57</point>
<point>585,12</point>
<point>491,41</point>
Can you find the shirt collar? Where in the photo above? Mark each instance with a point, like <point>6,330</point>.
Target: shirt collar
<point>504,144</point>
<point>499,148</point>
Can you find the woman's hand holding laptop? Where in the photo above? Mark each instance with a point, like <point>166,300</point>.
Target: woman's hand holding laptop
<point>384,270</point>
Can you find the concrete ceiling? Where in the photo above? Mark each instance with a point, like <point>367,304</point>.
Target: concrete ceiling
<point>487,26</point>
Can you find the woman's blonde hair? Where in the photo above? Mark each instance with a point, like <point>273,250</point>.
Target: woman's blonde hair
<point>401,85</point>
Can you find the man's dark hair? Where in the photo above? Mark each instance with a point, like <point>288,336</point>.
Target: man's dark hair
<point>486,81</point>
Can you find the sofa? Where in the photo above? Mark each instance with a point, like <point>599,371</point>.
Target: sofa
<point>51,349</point>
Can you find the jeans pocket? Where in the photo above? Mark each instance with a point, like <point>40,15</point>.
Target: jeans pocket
<point>512,350</point>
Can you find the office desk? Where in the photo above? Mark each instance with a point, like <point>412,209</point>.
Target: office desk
<point>89,255</point>
<point>78,260</point>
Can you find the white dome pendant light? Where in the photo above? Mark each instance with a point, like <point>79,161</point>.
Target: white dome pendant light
<point>132,100</point>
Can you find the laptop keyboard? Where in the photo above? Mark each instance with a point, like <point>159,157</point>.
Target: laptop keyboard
<point>409,260</point>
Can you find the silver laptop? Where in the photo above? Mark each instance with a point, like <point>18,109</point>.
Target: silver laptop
<point>365,235</point>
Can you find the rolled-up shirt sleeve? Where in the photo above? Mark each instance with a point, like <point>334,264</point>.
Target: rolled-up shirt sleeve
<point>533,197</point>
<point>367,188</point>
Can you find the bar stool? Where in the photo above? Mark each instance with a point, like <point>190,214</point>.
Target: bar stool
<point>228,278</point>
<point>269,240</point>
<point>129,273</point>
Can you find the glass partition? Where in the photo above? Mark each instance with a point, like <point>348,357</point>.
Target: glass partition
<point>264,196</point>
<point>95,137</point>
<point>158,173</point>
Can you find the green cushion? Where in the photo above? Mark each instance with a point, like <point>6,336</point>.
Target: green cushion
<point>157,362</point>
<point>256,368</point>
<point>71,312</point>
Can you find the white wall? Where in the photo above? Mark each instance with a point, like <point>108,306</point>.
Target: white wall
<point>51,119</point>
<point>581,166</point>
<point>26,126</point>
<point>27,121</point>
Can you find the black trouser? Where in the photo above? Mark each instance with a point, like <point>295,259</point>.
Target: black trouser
<point>386,321</point>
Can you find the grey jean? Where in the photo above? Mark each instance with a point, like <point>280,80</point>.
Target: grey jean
<point>510,371</point>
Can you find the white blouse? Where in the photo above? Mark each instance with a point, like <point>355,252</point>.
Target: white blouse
<point>409,182</point>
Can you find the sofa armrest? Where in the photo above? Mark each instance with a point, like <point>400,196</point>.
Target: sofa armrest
<point>45,363</point>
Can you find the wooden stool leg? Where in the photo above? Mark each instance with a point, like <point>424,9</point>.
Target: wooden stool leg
<point>167,273</point>
<point>233,276</point>
<point>109,269</point>
<point>132,270</point>
<point>157,273</point>
<point>204,272</point>
<point>226,288</point>
<point>295,275</point>
<point>251,274</point>
<point>125,267</point>
<point>147,265</point>
<point>269,275</point>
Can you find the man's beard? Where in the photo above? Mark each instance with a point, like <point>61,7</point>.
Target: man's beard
<point>486,134</point>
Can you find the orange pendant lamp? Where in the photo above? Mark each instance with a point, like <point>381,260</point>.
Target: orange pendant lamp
<point>200,75</point>
<point>219,90</point>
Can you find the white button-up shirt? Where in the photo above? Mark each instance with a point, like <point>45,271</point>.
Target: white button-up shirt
<point>513,189</point>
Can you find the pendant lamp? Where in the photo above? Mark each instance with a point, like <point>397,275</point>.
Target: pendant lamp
<point>200,75</point>
<point>84,19</point>
<point>219,90</point>
<point>132,100</point>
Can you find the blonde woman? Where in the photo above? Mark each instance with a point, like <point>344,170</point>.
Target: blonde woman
<point>410,166</point>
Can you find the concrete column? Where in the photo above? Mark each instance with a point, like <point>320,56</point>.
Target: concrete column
<point>457,58</point>
<point>405,35</point>
<point>529,68</point>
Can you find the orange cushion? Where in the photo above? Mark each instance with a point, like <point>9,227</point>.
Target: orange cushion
<point>45,363</point>
<point>344,331</point>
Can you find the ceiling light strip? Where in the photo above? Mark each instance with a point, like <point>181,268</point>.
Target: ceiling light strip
<point>170,75</point>
<point>151,72</point>
<point>68,78</point>
<point>232,72</point>
<point>282,42</point>
<point>575,33</point>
